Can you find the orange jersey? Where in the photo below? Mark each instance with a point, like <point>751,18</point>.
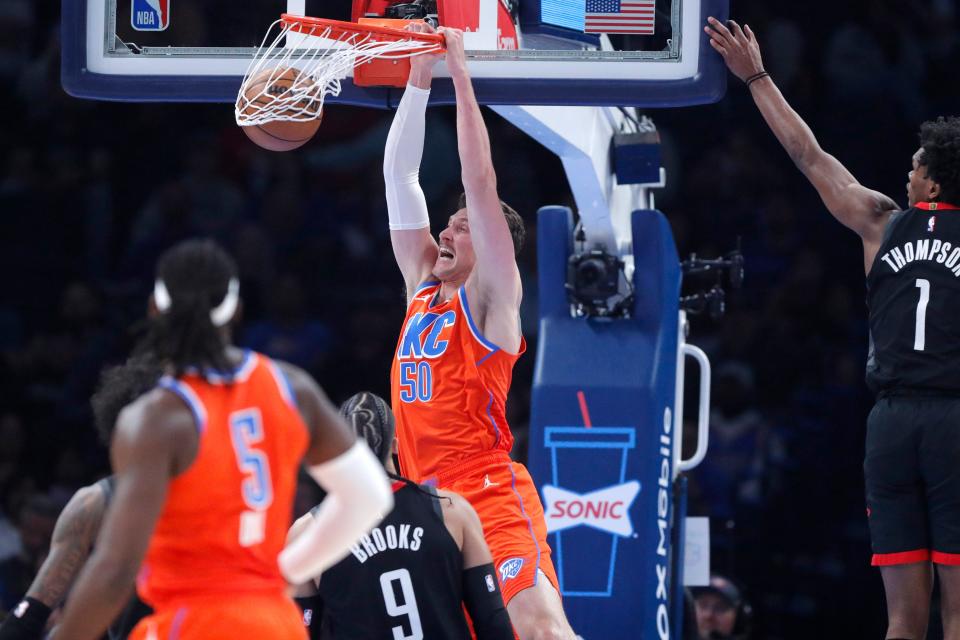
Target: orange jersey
<point>226,517</point>
<point>449,386</point>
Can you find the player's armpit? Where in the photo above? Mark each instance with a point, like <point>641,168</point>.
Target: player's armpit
<point>858,208</point>
<point>484,603</point>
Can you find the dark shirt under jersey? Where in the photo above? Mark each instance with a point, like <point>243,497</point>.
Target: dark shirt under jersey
<point>406,572</point>
<point>913,295</point>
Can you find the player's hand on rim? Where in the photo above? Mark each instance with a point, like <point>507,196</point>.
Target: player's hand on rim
<point>456,56</point>
<point>738,47</point>
<point>423,63</point>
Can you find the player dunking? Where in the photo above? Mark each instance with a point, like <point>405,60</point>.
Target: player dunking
<point>206,468</point>
<point>912,262</point>
<point>415,573</point>
<point>460,340</point>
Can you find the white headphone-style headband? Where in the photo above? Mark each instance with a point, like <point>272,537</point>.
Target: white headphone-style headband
<point>219,315</point>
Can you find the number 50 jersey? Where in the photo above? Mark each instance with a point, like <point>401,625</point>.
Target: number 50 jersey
<point>913,294</point>
<point>449,386</point>
<point>226,517</point>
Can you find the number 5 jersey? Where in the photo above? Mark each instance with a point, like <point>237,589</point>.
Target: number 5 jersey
<point>226,517</point>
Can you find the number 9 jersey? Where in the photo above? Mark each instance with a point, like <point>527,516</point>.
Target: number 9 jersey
<point>226,517</point>
<point>913,294</point>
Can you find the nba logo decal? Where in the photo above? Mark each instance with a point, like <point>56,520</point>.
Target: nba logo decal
<point>931,223</point>
<point>150,15</point>
<point>490,586</point>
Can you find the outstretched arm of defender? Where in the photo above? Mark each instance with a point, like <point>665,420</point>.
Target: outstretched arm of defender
<point>855,206</point>
<point>497,276</point>
<point>413,247</point>
<point>73,538</point>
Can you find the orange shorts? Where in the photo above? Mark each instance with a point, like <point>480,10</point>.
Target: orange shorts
<point>225,617</point>
<point>504,496</point>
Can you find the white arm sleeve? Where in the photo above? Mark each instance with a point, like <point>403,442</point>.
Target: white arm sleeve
<point>358,497</point>
<point>406,205</point>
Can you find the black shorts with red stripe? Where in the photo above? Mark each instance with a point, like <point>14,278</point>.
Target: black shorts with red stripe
<point>912,473</point>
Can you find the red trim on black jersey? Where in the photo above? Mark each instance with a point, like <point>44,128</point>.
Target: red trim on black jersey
<point>952,559</point>
<point>936,206</point>
<point>904,557</point>
<point>397,485</point>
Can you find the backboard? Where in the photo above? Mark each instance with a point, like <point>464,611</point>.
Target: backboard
<point>646,53</point>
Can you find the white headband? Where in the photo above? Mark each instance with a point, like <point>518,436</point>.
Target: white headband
<point>219,315</point>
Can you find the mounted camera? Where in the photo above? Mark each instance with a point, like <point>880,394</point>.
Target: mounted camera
<point>417,10</point>
<point>597,285</point>
<point>712,301</point>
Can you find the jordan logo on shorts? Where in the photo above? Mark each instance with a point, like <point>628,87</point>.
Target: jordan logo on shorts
<point>487,484</point>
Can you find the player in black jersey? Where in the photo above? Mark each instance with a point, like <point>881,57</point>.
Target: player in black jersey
<point>79,523</point>
<point>912,262</point>
<point>412,575</point>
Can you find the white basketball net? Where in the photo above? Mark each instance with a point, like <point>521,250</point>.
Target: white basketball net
<point>322,56</point>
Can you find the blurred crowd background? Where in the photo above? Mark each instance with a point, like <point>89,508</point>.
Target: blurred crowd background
<point>91,193</point>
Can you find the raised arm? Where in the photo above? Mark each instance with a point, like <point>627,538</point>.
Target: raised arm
<point>72,541</point>
<point>358,492</point>
<point>862,210</point>
<point>496,273</point>
<point>413,247</point>
<point>155,440</point>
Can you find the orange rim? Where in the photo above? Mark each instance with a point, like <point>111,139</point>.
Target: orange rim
<point>339,29</point>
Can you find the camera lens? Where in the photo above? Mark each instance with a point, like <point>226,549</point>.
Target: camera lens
<point>590,272</point>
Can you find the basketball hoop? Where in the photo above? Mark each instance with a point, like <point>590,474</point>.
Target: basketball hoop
<point>302,60</point>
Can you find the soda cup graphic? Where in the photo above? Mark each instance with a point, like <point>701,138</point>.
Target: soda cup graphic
<point>587,507</point>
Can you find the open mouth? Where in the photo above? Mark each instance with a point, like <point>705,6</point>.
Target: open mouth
<point>446,253</point>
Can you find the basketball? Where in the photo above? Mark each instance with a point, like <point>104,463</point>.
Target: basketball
<point>282,135</point>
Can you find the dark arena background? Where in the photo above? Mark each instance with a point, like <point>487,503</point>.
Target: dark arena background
<point>92,192</point>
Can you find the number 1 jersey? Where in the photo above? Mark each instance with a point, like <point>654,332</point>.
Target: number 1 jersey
<point>226,517</point>
<point>913,295</point>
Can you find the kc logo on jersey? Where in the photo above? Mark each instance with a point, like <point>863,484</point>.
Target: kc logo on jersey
<point>150,15</point>
<point>607,509</point>
<point>426,335</point>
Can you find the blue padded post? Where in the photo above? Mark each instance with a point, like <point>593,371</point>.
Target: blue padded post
<point>601,437</point>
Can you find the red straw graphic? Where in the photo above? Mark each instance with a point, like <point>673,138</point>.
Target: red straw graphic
<point>583,409</point>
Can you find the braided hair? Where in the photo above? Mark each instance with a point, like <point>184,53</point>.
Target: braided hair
<point>194,277</point>
<point>371,419</point>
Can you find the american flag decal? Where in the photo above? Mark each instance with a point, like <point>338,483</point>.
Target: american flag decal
<point>620,16</point>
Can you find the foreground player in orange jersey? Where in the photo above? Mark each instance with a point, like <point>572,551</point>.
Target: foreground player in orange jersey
<point>206,468</point>
<point>460,339</point>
